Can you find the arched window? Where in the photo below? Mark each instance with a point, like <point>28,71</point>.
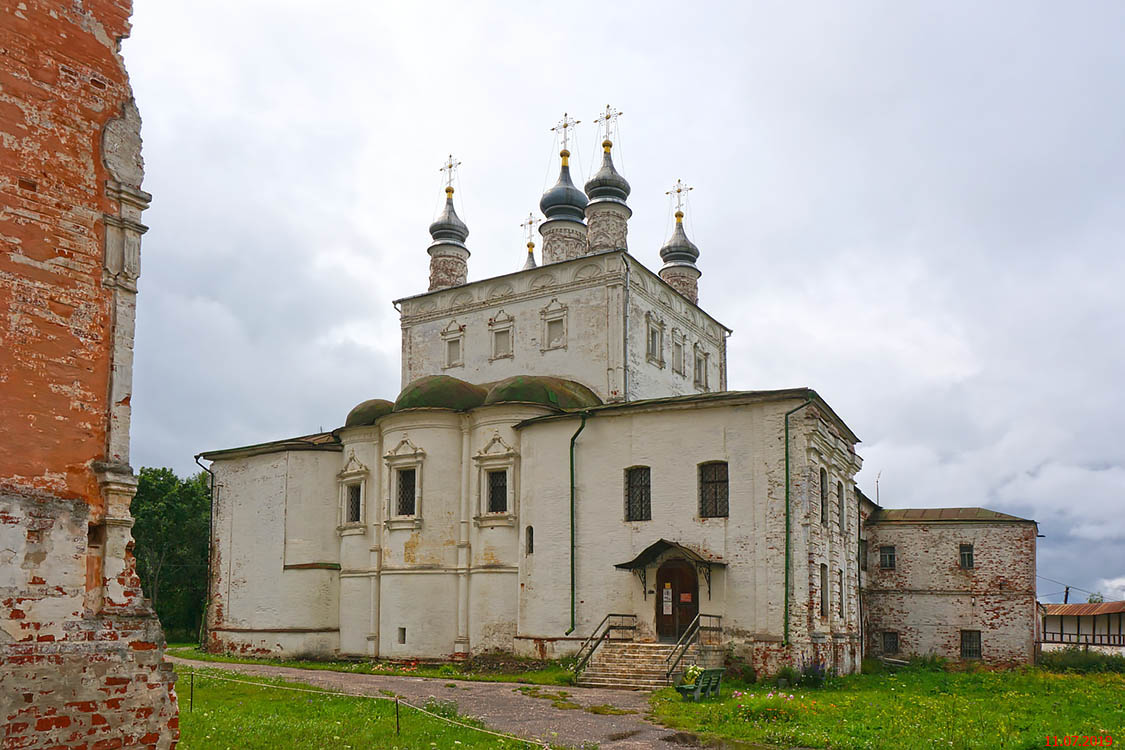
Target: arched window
<point>824,497</point>
<point>843,515</point>
<point>529,546</point>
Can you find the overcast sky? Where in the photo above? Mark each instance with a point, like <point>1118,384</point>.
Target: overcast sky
<point>917,209</point>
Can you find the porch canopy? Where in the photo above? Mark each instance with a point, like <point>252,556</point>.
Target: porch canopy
<point>701,559</point>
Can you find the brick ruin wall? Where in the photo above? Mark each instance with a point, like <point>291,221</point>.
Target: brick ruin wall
<point>81,651</point>
<point>928,598</point>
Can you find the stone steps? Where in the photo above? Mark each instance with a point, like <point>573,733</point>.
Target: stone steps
<point>632,666</point>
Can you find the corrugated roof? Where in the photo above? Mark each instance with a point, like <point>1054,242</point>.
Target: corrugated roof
<point>318,441</point>
<point>1071,610</point>
<point>953,515</point>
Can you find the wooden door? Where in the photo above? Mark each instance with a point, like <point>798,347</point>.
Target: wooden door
<point>677,598</point>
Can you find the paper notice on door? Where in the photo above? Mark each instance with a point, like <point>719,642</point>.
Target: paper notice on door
<point>667,601</point>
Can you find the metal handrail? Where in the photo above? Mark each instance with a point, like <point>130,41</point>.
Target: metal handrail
<point>1090,639</point>
<point>602,632</point>
<point>691,635</point>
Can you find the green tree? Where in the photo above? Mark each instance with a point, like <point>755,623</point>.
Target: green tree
<point>171,525</point>
<point>1096,598</point>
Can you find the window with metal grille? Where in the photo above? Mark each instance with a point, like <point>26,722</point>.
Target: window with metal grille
<point>824,497</point>
<point>887,558</point>
<point>890,642</point>
<point>498,491</point>
<point>638,498</point>
<point>354,504</point>
<point>840,590</point>
<point>970,644</point>
<point>966,556</point>
<point>824,591</point>
<point>406,478</point>
<point>713,490</point>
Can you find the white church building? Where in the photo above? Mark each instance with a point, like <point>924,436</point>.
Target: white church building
<point>563,448</point>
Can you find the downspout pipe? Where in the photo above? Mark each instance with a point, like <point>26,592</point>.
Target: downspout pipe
<point>210,552</point>
<point>788,510</point>
<point>573,588</point>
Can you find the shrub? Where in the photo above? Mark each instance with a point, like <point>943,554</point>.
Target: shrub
<point>739,669</point>
<point>872,666</point>
<point>788,673</point>
<point>691,674</point>
<point>812,676</point>
<point>447,670</point>
<point>929,662</point>
<point>1078,660</point>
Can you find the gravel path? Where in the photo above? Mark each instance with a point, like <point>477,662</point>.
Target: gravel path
<point>500,705</point>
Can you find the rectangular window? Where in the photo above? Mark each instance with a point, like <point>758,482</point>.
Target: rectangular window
<point>498,491</point>
<point>967,556</point>
<point>840,590</point>
<point>970,644</point>
<point>843,514</point>
<point>402,635</point>
<point>713,490</point>
<point>556,334</point>
<point>678,357</point>
<point>638,500</point>
<point>863,554</point>
<point>655,344</point>
<point>890,642</point>
<point>887,558</point>
<point>354,498</point>
<point>406,479</point>
<point>452,352</point>
<point>502,343</point>
<point>700,370</point>
<point>824,591</point>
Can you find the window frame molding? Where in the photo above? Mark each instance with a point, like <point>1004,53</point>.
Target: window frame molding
<point>699,353</point>
<point>496,455</point>
<point>554,310</point>
<point>961,550</point>
<point>354,473</point>
<point>452,332</point>
<point>824,502</point>
<point>679,339</point>
<point>699,489</point>
<point>499,323</point>
<point>893,557</point>
<point>626,487</point>
<point>405,455</point>
<point>654,324</point>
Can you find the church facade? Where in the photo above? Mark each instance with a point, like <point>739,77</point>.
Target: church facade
<point>564,447</point>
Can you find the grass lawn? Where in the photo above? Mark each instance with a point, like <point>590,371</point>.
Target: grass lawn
<point>507,669</point>
<point>913,708</point>
<point>236,715</point>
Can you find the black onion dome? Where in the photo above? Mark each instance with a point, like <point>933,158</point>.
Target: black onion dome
<point>564,200</point>
<point>449,228</point>
<point>678,248</point>
<point>607,184</point>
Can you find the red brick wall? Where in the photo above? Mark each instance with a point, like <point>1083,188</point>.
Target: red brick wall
<point>81,652</point>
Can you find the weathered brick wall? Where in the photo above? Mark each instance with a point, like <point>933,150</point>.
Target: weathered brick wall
<point>80,649</point>
<point>928,598</point>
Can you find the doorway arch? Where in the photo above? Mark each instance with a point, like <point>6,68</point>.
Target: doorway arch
<point>677,598</point>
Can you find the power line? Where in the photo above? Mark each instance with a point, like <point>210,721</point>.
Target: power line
<point>1068,585</point>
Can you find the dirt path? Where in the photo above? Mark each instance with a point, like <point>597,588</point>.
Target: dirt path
<point>500,705</point>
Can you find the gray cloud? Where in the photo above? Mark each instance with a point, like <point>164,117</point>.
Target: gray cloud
<point>915,209</point>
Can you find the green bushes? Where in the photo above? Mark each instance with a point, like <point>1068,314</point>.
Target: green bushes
<point>872,666</point>
<point>1078,660</point>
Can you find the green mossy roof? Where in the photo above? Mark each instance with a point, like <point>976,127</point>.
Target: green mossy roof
<point>538,389</point>
<point>368,412</point>
<point>440,392</point>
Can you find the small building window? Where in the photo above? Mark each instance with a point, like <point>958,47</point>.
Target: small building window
<point>713,490</point>
<point>556,334</point>
<point>406,490</point>
<point>638,497</point>
<point>355,498</point>
<point>401,636</point>
<point>823,590</point>
<point>498,491</point>
<point>967,556</point>
<point>502,343</point>
<point>887,558</point>
<point>840,590</point>
<point>453,352</point>
<point>890,642</point>
<point>700,370</point>
<point>529,544</point>
<point>655,347</point>
<point>824,497</point>
<point>970,644</point>
<point>678,357</point>
<point>863,554</point>
<point>843,515</point>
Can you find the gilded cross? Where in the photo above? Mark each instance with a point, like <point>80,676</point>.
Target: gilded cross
<point>563,126</point>
<point>608,119</point>
<point>449,167</point>
<point>680,191</point>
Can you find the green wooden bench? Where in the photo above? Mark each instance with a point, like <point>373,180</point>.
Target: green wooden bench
<point>706,685</point>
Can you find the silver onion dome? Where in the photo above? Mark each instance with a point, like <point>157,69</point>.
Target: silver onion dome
<point>607,184</point>
<point>564,200</point>
<point>679,250</point>
<point>449,229</point>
